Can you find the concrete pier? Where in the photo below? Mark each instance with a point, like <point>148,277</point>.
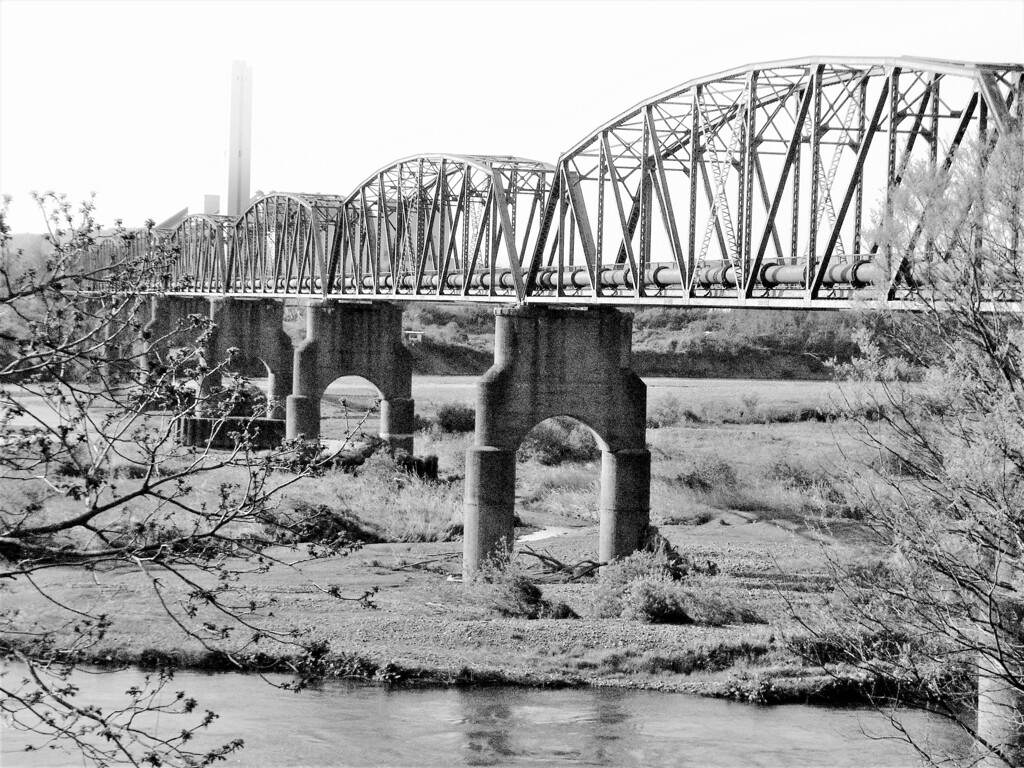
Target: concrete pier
<point>170,327</point>
<point>249,335</point>
<point>549,363</point>
<point>347,339</point>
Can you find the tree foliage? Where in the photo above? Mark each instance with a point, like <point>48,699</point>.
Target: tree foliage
<point>94,480</point>
<point>941,608</point>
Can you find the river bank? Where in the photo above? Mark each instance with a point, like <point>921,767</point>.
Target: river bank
<point>425,628</point>
<point>743,487</point>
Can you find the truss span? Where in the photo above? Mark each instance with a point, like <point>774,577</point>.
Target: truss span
<point>756,186</point>
<point>753,187</point>
<point>203,243</point>
<point>443,226</point>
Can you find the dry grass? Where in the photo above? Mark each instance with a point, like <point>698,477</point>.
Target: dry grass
<point>397,505</point>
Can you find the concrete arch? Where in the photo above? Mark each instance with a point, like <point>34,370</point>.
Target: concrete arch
<point>550,363</point>
<point>524,428</point>
<point>362,340</point>
<point>379,394</point>
<point>598,437</point>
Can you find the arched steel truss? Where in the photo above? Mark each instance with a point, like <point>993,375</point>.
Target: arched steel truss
<point>750,187</point>
<point>443,226</point>
<point>282,245</point>
<point>204,244</point>
<point>112,256</point>
<point>754,186</point>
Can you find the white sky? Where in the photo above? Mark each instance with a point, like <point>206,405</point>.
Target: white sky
<point>131,99</point>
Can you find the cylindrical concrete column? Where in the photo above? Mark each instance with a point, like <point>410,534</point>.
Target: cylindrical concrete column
<point>1000,700</point>
<point>1000,715</point>
<point>396,423</point>
<point>625,502</point>
<point>489,508</point>
<point>302,417</point>
<point>281,374</point>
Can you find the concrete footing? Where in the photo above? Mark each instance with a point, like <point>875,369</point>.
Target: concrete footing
<point>345,339</point>
<point>549,363</point>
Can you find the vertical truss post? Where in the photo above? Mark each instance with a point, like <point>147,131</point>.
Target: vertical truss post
<point>1015,212</point>
<point>563,205</point>
<point>747,191</point>
<point>602,177</point>
<point>691,243</point>
<point>441,256</point>
<point>933,149</point>
<point>794,236</point>
<point>812,233</point>
<point>890,178</point>
<point>420,196</point>
<point>858,204</point>
<point>645,213</point>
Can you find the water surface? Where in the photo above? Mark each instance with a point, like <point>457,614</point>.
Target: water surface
<point>352,725</point>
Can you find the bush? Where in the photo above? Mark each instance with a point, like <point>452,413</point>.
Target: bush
<point>558,441</point>
<point>650,587</point>
<point>501,585</point>
<point>653,601</point>
<point>705,605</point>
<point>709,473</point>
<point>318,524</point>
<point>456,417</point>
<point>610,599</point>
<point>818,488</point>
<point>668,412</point>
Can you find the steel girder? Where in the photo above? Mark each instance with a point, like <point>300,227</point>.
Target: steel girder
<point>754,186</point>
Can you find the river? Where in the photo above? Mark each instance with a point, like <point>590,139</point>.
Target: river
<point>357,725</point>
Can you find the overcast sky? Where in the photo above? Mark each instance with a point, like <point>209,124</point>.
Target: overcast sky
<point>131,99</point>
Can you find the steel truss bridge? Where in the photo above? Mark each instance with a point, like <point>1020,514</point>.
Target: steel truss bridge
<point>752,187</point>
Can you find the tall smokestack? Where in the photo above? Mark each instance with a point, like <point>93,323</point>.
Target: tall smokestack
<point>240,143</point>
